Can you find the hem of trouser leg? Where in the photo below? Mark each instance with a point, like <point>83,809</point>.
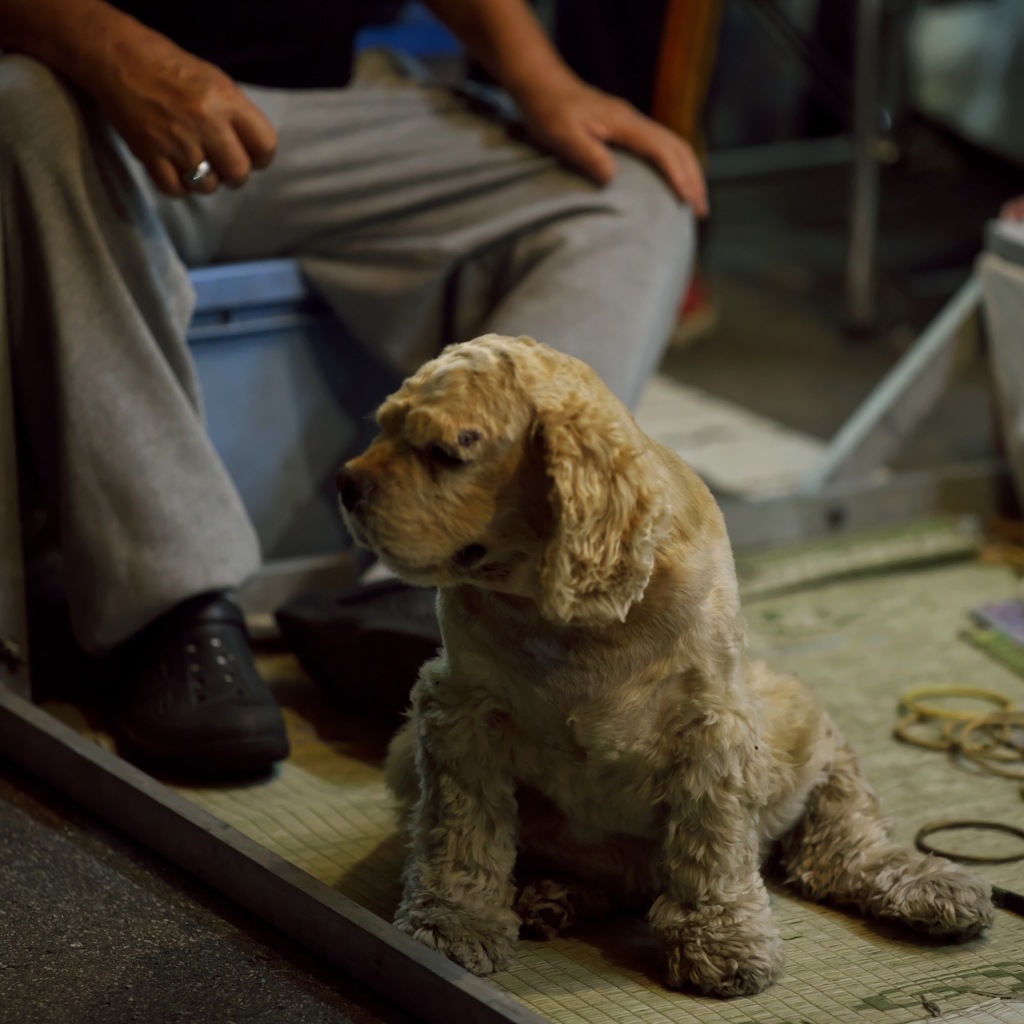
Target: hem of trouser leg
<point>97,642</point>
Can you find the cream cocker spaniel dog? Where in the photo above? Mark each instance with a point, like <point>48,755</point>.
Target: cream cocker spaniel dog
<point>591,736</point>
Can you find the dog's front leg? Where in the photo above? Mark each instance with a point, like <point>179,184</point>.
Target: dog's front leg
<point>713,918</point>
<point>459,886</point>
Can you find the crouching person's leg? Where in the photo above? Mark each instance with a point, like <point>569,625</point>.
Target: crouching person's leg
<point>152,530</point>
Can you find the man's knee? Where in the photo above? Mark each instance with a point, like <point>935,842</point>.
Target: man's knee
<point>651,209</point>
<point>33,103</point>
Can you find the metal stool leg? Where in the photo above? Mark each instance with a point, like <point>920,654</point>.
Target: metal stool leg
<point>862,307</point>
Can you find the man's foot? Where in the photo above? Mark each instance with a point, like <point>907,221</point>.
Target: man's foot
<point>197,705</point>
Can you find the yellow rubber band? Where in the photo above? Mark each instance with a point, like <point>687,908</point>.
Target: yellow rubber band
<point>910,701</point>
<point>902,732</point>
<point>997,749</point>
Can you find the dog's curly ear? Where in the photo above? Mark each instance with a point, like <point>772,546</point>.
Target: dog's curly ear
<point>610,510</point>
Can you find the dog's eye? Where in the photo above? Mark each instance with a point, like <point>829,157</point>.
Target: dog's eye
<point>443,457</point>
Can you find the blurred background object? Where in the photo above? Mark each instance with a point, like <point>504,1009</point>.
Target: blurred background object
<point>765,90</point>
<point>966,64</point>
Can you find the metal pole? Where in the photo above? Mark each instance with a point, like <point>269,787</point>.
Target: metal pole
<point>860,284</point>
<point>903,397</point>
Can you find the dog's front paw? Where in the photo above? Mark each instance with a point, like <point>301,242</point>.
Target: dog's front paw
<point>482,942</point>
<point>722,954</point>
<point>721,970</point>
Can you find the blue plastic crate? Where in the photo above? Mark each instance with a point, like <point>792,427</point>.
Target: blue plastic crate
<point>416,31</point>
<point>289,396</point>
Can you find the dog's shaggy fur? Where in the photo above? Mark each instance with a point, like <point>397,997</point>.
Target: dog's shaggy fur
<point>591,735</point>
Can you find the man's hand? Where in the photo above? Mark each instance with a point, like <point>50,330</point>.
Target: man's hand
<point>576,121</point>
<point>1013,209</point>
<point>173,109</point>
<point>579,123</point>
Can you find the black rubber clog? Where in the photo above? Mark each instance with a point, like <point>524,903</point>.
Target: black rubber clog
<point>197,706</point>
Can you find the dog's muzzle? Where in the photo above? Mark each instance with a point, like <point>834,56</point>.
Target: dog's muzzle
<point>353,487</point>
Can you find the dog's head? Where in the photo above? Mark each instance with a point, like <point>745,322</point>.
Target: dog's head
<point>510,466</point>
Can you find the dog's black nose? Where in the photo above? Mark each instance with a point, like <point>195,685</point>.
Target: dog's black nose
<point>351,487</point>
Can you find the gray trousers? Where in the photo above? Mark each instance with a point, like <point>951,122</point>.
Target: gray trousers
<point>418,222</point>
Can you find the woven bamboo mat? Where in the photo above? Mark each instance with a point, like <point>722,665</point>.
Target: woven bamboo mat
<point>860,644</point>
<point>993,1011</point>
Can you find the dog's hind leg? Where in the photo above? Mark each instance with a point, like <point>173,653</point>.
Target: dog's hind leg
<point>562,882</point>
<point>840,851</point>
<point>550,905</point>
<point>625,869</point>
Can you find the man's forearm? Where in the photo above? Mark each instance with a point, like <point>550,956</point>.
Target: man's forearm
<point>175,111</point>
<point>505,36</point>
<point>79,38</point>
<point>577,122</point>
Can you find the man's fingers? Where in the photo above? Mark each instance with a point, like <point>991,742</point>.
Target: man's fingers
<point>669,154</point>
<point>166,176</point>
<point>206,184</point>
<point>180,156</point>
<point>686,173</point>
<point>691,184</point>
<point>581,123</point>
<point>219,142</point>
<point>174,176</point>
<point>174,155</point>
<point>592,156</point>
<point>225,151</point>
<point>586,152</point>
<point>188,160</point>
<point>175,111</point>
<point>257,135</point>
<point>236,141</point>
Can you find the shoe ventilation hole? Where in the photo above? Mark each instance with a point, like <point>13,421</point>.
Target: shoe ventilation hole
<point>221,660</point>
<point>228,677</point>
<point>215,642</point>
<point>195,666</point>
<point>191,648</point>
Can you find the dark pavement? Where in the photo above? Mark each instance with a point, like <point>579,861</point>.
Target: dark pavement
<point>95,929</point>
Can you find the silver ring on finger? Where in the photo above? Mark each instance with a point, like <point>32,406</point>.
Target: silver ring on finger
<point>202,171</point>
